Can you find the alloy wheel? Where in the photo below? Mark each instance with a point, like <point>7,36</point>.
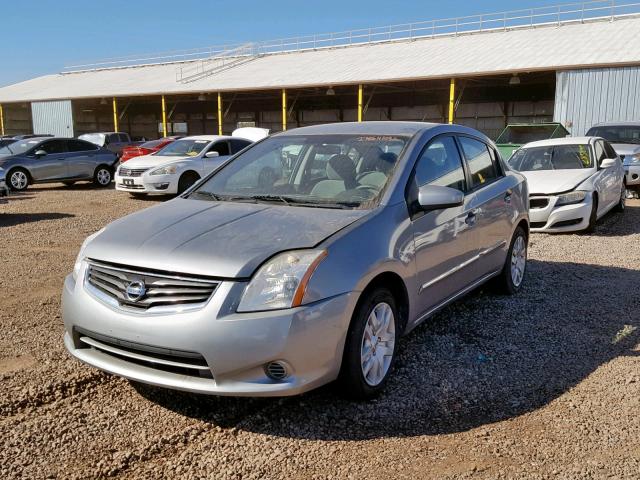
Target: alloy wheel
<point>378,342</point>
<point>103,176</point>
<point>518,260</point>
<point>19,180</point>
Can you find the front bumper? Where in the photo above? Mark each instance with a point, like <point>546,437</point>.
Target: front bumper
<point>148,184</point>
<point>566,218</point>
<point>632,175</point>
<point>236,347</point>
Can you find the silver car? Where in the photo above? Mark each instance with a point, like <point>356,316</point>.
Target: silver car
<point>46,160</point>
<point>302,260</point>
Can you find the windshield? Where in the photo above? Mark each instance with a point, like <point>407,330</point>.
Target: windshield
<point>19,146</point>
<point>333,171</point>
<point>183,148</point>
<point>617,134</point>
<point>155,143</point>
<point>521,134</point>
<point>559,157</point>
<point>95,138</point>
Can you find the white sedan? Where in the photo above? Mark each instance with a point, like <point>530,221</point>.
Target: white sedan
<point>572,182</point>
<point>182,163</point>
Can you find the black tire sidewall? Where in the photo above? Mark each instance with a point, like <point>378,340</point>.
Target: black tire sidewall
<point>593,216</point>
<point>506,284</point>
<point>351,380</point>
<point>186,181</point>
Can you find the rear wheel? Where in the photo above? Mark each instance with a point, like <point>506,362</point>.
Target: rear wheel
<point>593,217</point>
<point>370,346</point>
<point>18,179</point>
<point>186,181</point>
<point>620,206</point>
<point>511,278</point>
<point>102,176</point>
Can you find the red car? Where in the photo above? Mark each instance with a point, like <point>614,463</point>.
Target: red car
<point>146,148</point>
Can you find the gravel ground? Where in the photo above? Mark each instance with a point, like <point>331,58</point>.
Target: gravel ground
<point>543,385</point>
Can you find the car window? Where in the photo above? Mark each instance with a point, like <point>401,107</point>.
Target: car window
<point>552,157</point>
<point>124,138</point>
<point>53,146</point>
<point>600,154</point>
<point>237,145</point>
<point>481,165</point>
<point>221,147</point>
<point>80,146</point>
<point>440,164</point>
<point>113,138</point>
<point>609,150</point>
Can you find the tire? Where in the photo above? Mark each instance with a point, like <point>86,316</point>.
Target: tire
<point>186,181</point>
<point>511,278</point>
<point>18,179</point>
<point>593,217</point>
<point>68,184</point>
<point>620,206</point>
<point>102,176</point>
<point>353,382</point>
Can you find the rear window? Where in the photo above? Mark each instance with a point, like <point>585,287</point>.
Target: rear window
<point>521,134</point>
<point>617,134</point>
<point>95,138</point>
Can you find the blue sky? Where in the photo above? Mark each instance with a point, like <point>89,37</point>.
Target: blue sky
<point>40,37</point>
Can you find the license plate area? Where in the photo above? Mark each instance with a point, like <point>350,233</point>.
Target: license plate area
<point>127,181</point>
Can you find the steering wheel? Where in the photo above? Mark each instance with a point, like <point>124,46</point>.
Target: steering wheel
<point>369,188</point>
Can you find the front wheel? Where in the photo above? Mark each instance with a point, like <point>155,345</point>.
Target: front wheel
<point>186,181</point>
<point>620,206</point>
<point>512,276</point>
<point>102,176</point>
<point>370,346</point>
<point>593,217</point>
<point>18,180</point>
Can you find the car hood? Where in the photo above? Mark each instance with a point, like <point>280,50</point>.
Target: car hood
<point>146,161</point>
<point>219,239</point>
<point>556,181</point>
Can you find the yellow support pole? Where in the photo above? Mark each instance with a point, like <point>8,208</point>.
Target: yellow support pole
<point>452,96</point>
<point>284,109</point>
<point>219,113</point>
<point>1,121</point>
<point>115,114</point>
<point>164,117</point>
<point>360,89</point>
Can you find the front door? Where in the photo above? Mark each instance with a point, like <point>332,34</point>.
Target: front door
<point>51,166</point>
<point>444,240</point>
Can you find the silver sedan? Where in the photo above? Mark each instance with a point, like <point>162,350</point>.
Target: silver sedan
<point>301,261</point>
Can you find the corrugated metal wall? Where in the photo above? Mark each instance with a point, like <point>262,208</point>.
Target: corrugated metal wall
<point>589,96</point>
<point>55,118</point>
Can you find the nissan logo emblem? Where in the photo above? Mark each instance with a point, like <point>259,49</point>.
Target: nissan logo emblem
<point>135,291</point>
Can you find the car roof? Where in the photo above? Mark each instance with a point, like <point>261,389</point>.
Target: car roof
<point>365,128</point>
<point>209,138</point>
<point>561,141</point>
<point>616,124</point>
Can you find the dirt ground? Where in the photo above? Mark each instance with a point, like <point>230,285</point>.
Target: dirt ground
<point>542,385</point>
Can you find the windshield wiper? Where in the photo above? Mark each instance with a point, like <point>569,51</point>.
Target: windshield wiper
<point>223,198</point>
<point>273,198</point>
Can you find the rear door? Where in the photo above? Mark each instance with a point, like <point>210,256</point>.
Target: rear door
<point>81,159</point>
<point>51,166</point>
<point>444,239</point>
<point>490,210</point>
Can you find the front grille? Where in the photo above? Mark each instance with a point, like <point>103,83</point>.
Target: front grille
<point>169,360</point>
<point>131,172</point>
<point>567,223</point>
<point>538,224</point>
<point>540,202</point>
<point>132,187</point>
<point>142,289</point>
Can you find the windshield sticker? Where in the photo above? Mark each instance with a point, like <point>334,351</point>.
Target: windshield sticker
<point>379,138</point>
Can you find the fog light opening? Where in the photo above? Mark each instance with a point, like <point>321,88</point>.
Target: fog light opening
<point>277,371</point>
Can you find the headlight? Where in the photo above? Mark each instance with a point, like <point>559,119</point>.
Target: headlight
<point>168,170</point>
<point>634,159</point>
<point>78,265</point>
<point>571,197</point>
<point>281,282</point>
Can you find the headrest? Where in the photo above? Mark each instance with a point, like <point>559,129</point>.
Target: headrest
<point>341,167</point>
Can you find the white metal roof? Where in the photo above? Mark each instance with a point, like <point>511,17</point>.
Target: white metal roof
<point>548,47</point>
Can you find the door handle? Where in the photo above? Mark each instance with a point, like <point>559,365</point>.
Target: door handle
<point>471,218</point>
<point>507,196</point>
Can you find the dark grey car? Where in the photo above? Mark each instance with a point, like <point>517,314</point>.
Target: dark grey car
<point>45,160</point>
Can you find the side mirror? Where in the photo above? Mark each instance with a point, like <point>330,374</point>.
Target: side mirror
<point>40,153</point>
<point>608,163</point>
<point>211,154</point>
<point>433,197</point>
